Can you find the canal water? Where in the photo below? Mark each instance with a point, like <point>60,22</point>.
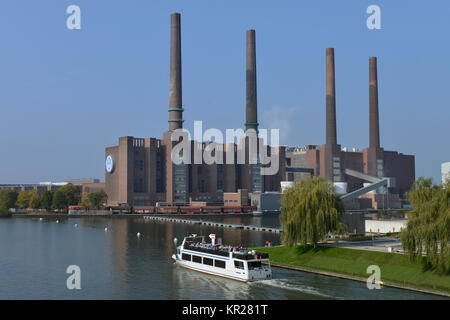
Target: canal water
<point>116,264</point>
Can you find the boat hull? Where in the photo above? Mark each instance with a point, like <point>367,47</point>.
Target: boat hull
<point>241,276</point>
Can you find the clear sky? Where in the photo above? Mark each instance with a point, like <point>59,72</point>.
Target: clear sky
<point>67,94</point>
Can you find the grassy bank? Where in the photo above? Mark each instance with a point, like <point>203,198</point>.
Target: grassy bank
<point>395,268</point>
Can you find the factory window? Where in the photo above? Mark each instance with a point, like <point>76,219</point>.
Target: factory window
<point>138,185</point>
<point>158,185</point>
<point>201,186</point>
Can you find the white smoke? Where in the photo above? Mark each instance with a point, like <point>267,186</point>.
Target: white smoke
<point>282,118</point>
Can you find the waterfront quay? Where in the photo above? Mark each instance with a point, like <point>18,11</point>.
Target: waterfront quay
<point>128,215</point>
<point>187,218</point>
<point>213,223</point>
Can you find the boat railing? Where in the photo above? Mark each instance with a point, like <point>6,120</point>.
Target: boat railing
<point>212,250</point>
<point>242,254</point>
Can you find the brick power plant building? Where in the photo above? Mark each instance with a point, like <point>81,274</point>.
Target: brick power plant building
<point>140,171</point>
<point>360,175</point>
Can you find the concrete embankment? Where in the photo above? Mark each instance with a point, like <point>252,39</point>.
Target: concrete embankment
<point>187,218</point>
<point>342,276</point>
<point>213,223</point>
<point>130,215</point>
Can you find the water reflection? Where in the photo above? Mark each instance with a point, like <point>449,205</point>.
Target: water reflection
<point>191,284</point>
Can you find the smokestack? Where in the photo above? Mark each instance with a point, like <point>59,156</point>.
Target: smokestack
<point>251,106</point>
<point>331,137</point>
<point>175,101</point>
<point>374,129</point>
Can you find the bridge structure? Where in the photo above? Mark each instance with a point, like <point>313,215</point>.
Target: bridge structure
<point>375,183</point>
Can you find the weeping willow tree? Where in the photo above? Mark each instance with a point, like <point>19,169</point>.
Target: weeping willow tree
<point>428,230</point>
<point>310,210</point>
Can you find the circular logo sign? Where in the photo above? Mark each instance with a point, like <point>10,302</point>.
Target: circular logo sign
<point>109,163</point>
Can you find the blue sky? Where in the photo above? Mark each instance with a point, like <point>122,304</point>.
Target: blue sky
<point>67,94</point>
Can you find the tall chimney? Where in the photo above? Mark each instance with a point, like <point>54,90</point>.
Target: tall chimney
<point>251,106</point>
<point>331,99</point>
<point>175,101</point>
<point>374,129</point>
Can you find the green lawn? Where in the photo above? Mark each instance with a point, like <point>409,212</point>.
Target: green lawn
<point>395,268</point>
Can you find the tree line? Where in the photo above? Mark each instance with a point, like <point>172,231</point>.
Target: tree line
<point>60,199</point>
<point>311,211</point>
<point>427,234</point>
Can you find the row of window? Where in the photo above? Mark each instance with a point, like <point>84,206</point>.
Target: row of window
<point>138,185</point>
<point>139,165</point>
<point>203,260</point>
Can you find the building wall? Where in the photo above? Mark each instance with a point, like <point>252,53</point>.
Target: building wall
<point>395,165</point>
<point>402,168</point>
<point>352,160</point>
<point>145,174</point>
<point>270,201</point>
<point>385,226</point>
<point>236,199</point>
<point>383,201</point>
<point>445,172</point>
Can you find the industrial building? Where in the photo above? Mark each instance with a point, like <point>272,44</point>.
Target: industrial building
<point>140,171</point>
<point>41,187</point>
<point>357,175</point>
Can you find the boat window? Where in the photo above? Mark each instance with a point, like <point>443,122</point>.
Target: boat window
<point>186,256</point>
<point>219,263</point>
<point>254,265</point>
<point>208,261</point>
<point>197,259</point>
<point>239,264</point>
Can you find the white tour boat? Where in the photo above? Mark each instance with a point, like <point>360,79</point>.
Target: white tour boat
<point>219,260</point>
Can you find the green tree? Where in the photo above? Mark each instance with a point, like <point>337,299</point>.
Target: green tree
<point>35,200</point>
<point>8,198</point>
<point>309,211</point>
<point>59,200</point>
<point>72,194</point>
<point>96,199</point>
<point>23,199</point>
<point>85,204</point>
<point>428,229</point>
<point>47,200</point>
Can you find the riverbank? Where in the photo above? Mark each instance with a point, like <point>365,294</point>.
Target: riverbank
<point>396,269</point>
<point>127,215</point>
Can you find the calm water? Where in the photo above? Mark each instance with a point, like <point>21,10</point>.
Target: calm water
<point>117,264</point>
